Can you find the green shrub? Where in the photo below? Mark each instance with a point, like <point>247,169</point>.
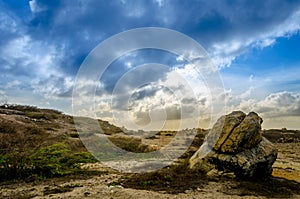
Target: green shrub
<point>41,115</point>
<point>130,143</point>
<point>148,183</point>
<point>15,165</point>
<point>82,157</point>
<point>19,107</point>
<point>52,161</point>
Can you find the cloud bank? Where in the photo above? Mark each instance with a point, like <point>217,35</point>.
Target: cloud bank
<point>44,43</point>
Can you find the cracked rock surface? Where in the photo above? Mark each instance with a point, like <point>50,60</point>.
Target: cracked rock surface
<point>235,144</point>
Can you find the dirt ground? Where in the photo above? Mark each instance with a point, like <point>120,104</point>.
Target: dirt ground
<point>287,164</point>
<point>171,182</point>
<point>99,181</point>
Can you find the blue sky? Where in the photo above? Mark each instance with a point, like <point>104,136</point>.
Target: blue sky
<point>255,45</point>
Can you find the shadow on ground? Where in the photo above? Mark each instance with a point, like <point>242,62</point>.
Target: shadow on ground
<point>178,179</point>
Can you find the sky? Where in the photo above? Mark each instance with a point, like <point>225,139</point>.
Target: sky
<point>254,45</point>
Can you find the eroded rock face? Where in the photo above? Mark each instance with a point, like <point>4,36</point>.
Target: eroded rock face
<point>235,144</point>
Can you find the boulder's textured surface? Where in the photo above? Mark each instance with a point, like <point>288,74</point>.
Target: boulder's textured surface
<point>235,144</point>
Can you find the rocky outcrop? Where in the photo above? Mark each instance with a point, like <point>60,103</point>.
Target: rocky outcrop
<point>235,144</point>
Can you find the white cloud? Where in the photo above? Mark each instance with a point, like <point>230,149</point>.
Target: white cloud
<point>3,97</point>
<point>12,84</point>
<point>29,53</point>
<point>247,93</point>
<point>280,104</point>
<point>225,52</point>
<point>34,66</point>
<point>53,86</point>
<point>26,63</point>
<point>160,3</point>
<point>7,23</point>
<point>274,105</point>
<point>278,110</point>
<point>35,7</point>
<point>260,83</point>
<point>179,96</point>
<point>26,56</point>
<point>265,43</point>
<point>135,12</point>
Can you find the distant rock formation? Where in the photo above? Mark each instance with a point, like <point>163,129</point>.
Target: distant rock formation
<point>235,144</point>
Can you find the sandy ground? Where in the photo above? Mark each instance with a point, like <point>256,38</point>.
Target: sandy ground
<point>104,184</point>
<point>96,187</point>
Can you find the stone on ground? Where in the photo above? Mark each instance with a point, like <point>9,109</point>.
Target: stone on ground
<point>235,144</point>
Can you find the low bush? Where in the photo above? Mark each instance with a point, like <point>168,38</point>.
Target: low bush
<point>34,130</point>
<point>15,165</point>
<point>51,161</point>
<point>7,127</point>
<point>41,115</point>
<point>19,107</point>
<point>130,143</point>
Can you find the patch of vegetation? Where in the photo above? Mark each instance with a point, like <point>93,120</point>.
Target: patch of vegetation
<point>54,160</point>
<point>7,127</point>
<point>282,135</point>
<point>18,141</point>
<point>178,178</point>
<point>73,185</point>
<point>32,130</point>
<point>32,111</point>
<point>41,115</point>
<point>148,183</point>
<point>28,151</point>
<point>19,107</point>
<point>51,161</point>
<point>74,135</point>
<point>130,143</point>
<point>173,179</point>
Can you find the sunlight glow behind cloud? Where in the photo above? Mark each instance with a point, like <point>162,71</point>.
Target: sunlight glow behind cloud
<point>44,43</point>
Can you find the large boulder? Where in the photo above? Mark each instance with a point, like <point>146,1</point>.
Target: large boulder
<point>235,144</point>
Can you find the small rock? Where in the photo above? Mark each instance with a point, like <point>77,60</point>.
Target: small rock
<point>115,187</point>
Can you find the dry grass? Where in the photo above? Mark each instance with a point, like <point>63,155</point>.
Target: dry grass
<point>34,142</point>
<point>130,143</point>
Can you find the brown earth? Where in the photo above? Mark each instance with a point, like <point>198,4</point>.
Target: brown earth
<point>176,181</point>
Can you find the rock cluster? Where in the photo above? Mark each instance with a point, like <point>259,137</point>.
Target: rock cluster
<point>235,144</point>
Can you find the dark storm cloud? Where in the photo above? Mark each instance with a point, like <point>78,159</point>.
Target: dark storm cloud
<point>213,21</point>
<point>136,85</point>
<point>72,28</point>
<point>78,26</point>
<point>144,92</point>
<point>126,63</point>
